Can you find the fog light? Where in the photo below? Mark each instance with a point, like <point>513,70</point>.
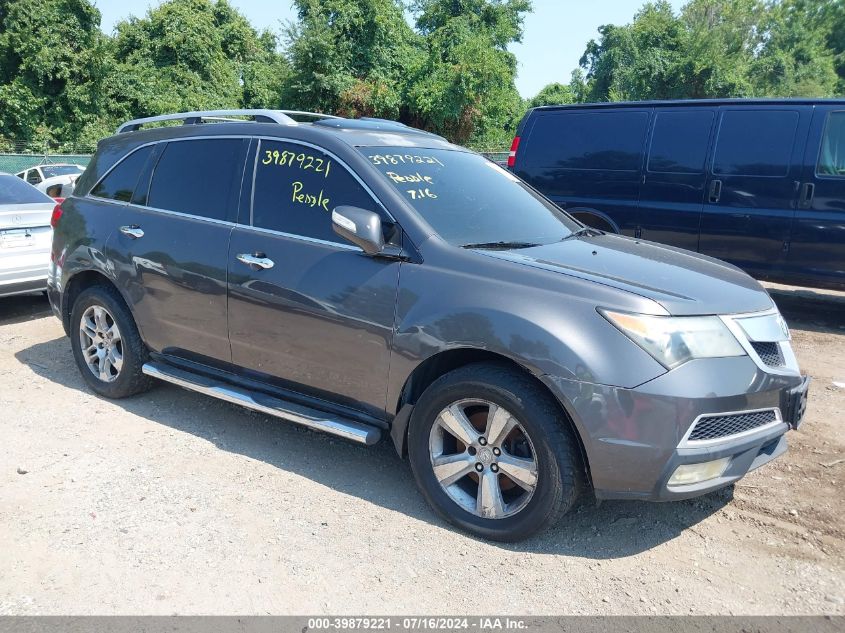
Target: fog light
<point>695,473</point>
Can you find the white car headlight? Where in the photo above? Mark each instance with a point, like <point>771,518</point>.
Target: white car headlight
<point>675,340</point>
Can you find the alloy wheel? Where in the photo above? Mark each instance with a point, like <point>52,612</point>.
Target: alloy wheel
<point>101,344</point>
<point>483,458</point>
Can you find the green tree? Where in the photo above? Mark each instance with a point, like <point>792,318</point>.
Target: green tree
<point>51,68</point>
<point>189,55</point>
<point>794,59</point>
<point>553,94</point>
<point>351,57</point>
<point>465,87</point>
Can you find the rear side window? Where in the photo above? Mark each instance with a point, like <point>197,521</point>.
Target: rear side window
<point>296,188</point>
<point>588,140</point>
<point>680,140</point>
<point>832,154</point>
<point>120,182</point>
<point>13,190</point>
<point>755,143</point>
<point>198,177</point>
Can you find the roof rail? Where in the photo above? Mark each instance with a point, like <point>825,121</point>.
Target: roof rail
<point>316,115</point>
<point>190,118</point>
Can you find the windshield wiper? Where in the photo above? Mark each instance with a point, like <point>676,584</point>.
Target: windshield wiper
<point>584,231</point>
<point>500,245</point>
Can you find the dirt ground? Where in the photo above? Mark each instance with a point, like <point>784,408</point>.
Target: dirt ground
<point>173,502</point>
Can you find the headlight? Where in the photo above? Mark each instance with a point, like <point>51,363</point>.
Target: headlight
<point>675,340</point>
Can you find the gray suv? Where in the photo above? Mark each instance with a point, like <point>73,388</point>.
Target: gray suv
<point>371,280</point>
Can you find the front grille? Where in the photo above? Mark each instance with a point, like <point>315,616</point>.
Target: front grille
<point>769,353</point>
<point>715,427</point>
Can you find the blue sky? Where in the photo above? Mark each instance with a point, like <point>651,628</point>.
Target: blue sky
<point>555,33</point>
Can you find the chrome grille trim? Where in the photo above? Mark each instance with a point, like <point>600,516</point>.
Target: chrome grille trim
<point>738,424</point>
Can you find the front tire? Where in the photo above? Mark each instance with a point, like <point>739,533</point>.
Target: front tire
<point>106,344</point>
<point>492,453</point>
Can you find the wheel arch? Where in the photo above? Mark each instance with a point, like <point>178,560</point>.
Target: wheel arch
<point>449,360</point>
<point>594,218</point>
<point>77,283</point>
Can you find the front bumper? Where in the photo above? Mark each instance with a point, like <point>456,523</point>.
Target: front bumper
<point>634,439</point>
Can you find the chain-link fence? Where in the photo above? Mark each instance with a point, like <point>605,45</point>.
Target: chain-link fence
<point>499,156</point>
<point>17,155</point>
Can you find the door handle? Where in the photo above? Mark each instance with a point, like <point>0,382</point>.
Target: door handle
<point>134,231</point>
<point>715,191</point>
<point>807,193</point>
<point>255,261</point>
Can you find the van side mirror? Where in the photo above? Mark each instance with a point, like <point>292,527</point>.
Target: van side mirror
<point>359,226</point>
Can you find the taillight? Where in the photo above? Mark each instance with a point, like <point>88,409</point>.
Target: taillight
<point>512,155</point>
<point>57,214</point>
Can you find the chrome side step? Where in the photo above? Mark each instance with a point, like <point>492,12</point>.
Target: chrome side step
<point>306,416</point>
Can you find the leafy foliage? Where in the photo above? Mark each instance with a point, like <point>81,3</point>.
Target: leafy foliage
<point>443,65</point>
<point>718,48</point>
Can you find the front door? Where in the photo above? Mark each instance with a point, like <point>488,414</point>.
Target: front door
<point>753,187</point>
<point>315,315</point>
<point>817,248</point>
<point>173,242</point>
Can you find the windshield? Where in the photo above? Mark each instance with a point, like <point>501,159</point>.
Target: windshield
<point>51,171</point>
<point>13,190</point>
<point>470,200</point>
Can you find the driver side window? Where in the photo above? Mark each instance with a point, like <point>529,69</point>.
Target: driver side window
<point>832,154</point>
<point>296,188</point>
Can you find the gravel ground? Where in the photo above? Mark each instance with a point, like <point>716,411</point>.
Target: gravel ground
<point>176,503</point>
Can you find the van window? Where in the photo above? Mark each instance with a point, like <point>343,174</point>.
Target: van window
<point>755,143</point>
<point>197,177</point>
<point>120,182</point>
<point>296,188</point>
<point>832,154</point>
<point>680,140</point>
<point>610,141</point>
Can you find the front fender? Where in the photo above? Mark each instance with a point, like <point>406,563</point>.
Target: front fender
<point>540,327</point>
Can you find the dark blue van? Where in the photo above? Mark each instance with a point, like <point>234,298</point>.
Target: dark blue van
<point>758,183</point>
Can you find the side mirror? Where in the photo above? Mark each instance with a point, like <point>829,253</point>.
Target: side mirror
<point>359,226</point>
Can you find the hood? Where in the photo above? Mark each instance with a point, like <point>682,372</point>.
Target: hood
<point>682,282</point>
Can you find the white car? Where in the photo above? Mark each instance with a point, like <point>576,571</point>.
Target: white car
<point>56,179</point>
<point>25,236</point>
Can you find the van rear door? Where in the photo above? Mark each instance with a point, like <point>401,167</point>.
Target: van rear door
<point>817,246</point>
<point>672,191</point>
<point>753,187</point>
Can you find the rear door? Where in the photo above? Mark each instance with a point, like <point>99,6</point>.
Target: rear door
<point>672,191</point>
<point>817,246</point>
<point>588,161</point>
<point>752,190</point>
<point>317,316</point>
<point>172,243</point>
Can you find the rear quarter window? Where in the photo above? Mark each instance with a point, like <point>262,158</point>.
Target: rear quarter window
<point>120,182</point>
<point>600,140</point>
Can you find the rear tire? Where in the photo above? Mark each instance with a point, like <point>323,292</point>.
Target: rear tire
<point>106,344</point>
<point>515,483</point>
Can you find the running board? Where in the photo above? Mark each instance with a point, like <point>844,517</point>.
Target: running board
<point>257,401</point>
